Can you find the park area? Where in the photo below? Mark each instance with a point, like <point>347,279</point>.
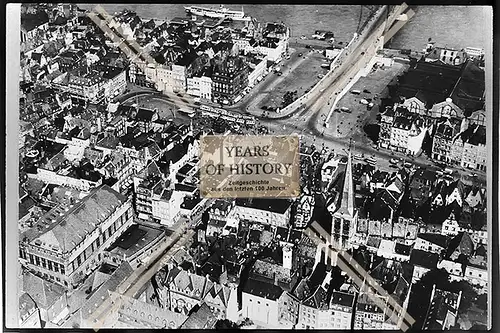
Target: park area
<point>299,75</point>
<point>371,89</point>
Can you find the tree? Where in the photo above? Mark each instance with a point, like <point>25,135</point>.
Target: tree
<point>372,131</point>
<point>225,324</point>
<point>469,294</point>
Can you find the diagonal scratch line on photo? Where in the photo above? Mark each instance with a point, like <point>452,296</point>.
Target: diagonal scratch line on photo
<point>362,278</point>
<point>137,54</point>
<point>143,60</point>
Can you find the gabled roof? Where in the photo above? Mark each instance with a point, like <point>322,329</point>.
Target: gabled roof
<point>32,21</point>
<point>43,293</point>
<point>318,300</point>
<point>119,275</point>
<point>425,259</point>
<point>26,305</point>
<point>262,289</point>
<point>64,230</point>
<point>460,244</point>
<point>436,239</point>
<point>202,318</point>
<point>145,115</point>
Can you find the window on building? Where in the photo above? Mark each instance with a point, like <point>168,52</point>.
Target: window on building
<point>37,261</point>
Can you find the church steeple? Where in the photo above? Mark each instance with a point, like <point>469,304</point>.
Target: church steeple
<point>347,200</point>
<point>344,214</point>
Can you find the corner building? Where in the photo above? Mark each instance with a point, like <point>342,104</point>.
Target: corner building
<point>66,244</point>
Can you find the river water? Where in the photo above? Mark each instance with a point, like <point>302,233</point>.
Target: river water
<point>451,26</point>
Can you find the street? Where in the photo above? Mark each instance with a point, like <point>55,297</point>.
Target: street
<point>140,277</point>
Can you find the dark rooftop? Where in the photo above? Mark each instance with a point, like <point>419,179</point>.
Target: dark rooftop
<point>272,205</point>
<point>262,289</point>
<point>424,259</point>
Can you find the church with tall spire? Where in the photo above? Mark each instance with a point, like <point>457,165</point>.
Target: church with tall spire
<point>344,213</point>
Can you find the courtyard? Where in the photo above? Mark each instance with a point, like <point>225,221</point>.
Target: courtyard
<point>299,74</point>
<point>372,88</point>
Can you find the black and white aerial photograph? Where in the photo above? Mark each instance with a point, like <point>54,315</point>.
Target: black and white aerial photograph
<point>346,185</point>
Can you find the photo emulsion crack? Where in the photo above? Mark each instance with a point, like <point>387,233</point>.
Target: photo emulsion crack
<point>254,167</point>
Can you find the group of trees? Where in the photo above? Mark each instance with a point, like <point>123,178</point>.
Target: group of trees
<point>421,293</point>
<point>288,98</point>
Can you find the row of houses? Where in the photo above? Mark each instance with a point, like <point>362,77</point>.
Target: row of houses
<point>447,111</point>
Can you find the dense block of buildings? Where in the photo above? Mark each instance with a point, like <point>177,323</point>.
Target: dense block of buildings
<point>66,243</point>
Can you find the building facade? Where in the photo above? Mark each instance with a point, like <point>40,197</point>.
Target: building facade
<point>67,243</point>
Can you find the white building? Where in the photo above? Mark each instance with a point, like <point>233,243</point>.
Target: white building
<point>275,212</point>
<point>206,88</point>
<point>258,67</point>
<point>68,243</point>
<point>260,303</point>
<point>179,79</point>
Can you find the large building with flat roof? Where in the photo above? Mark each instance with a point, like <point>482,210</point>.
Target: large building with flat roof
<point>67,243</point>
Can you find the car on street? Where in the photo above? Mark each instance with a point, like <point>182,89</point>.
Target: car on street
<point>393,161</point>
<point>300,54</point>
<point>366,91</point>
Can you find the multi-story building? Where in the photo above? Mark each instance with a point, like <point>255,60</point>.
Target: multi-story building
<point>443,310</point>
<point>377,311</point>
<point>179,78</point>
<point>260,303</point>
<point>230,78</point>
<point>66,244</point>
<point>342,307</point>
<point>220,213</point>
<point>405,128</point>
<point>32,24</point>
<point>258,67</point>
<point>475,152</point>
<point>71,59</point>
<point>288,310</point>
<point>325,309</point>
<point>115,81</point>
<point>445,134</point>
<point>454,91</point>
<point>447,56</point>
<point>303,214</point>
<point>452,227</point>
<point>386,120</point>
<point>206,87</point>
<point>83,86</point>
<point>275,212</point>
<point>477,275</point>
<point>149,181</point>
<point>272,48</point>
<point>431,242</point>
<point>180,291</point>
